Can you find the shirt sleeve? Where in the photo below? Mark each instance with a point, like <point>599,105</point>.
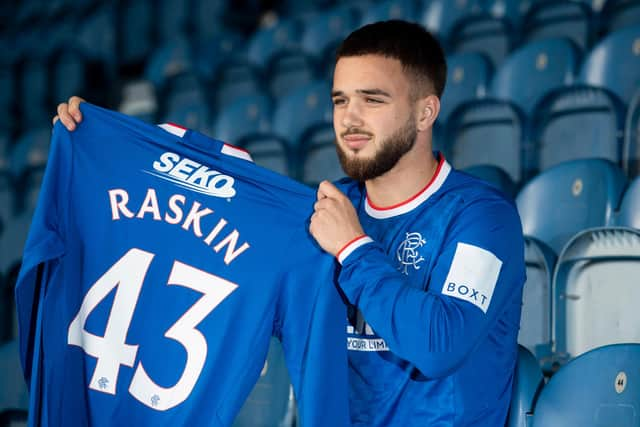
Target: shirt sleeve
<point>477,274</point>
<point>313,334</point>
<point>45,241</point>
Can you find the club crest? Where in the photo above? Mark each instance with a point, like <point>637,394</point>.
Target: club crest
<point>408,252</point>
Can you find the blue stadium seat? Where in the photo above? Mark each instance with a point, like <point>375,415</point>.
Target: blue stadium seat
<point>270,403</point>
<point>468,76</point>
<point>13,390</point>
<point>34,86</point>
<point>600,388</point>
<point>69,74</point>
<point>484,33</point>
<point>576,122</point>
<point>288,70</point>
<point>30,151</point>
<point>173,18</point>
<point>631,151</point>
<point>596,289</point>
<point>629,213</point>
<point>234,80</point>
<point>319,159</point>
<point>618,14</point>
<point>265,42</point>
<point>243,118</point>
<point>527,382</point>
<point>190,112</point>
<point>169,59</point>
<point>327,28</point>
<point>486,132</point>
<point>511,10</point>
<point>569,197</point>
<point>217,50</point>
<point>495,176</point>
<point>614,63</point>
<point>135,32</point>
<point>559,18</point>
<point>389,9</point>
<point>547,64</point>
<point>536,318</point>
<point>208,16</point>
<point>97,36</point>
<point>440,16</point>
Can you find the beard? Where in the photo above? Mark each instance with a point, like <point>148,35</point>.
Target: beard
<point>391,150</point>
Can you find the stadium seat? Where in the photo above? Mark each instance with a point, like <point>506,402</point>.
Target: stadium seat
<point>288,70</point>
<point>618,14</point>
<point>320,160</point>
<point>559,18</point>
<point>486,132</point>
<point>97,36</point>
<point>326,29</point>
<point>495,176</point>
<point>69,70</point>
<point>13,239</point>
<point>135,32</point>
<point>13,390</point>
<point>440,16</point>
<point>599,388</point>
<point>468,76</point>
<point>169,59</point>
<point>536,318</point>
<point>173,18</point>
<point>576,122</point>
<point>34,86</point>
<point>527,382</point>
<point>569,197</point>
<point>596,289</point>
<point>614,63</point>
<point>629,213</point>
<point>234,80</point>
<point>138,99</point>
<point>217,50</point>
<point>547,64</point>
<point>189,111</point>
<point>484,33</point>
<point>208,16</point>
<point>267,41</point>
<point>243,118</point>
<point>389,9</point>
<point>511,10</point>
<point>270,403</point>
<point>30,151</point>
<point>631,151</point>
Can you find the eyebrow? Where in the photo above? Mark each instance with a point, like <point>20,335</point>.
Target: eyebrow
<point>363,92</point>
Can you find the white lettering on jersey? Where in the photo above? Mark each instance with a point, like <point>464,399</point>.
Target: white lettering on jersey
<point>174,214</point>
<point>192,175</point>
<point>473,275</point>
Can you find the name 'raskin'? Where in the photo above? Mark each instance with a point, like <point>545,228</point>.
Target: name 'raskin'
<point>175,215</point>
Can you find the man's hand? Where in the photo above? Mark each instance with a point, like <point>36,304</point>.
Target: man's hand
<point>334,222</point>
<point>69,113</point>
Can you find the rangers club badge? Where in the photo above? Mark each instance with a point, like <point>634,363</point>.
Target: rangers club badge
<point>407,252</point>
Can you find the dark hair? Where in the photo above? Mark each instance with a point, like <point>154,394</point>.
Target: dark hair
<point>418,51</point>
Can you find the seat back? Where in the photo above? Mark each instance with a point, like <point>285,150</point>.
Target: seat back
<point>527,382</point>
<point>569,197</point>
<point>559,18</point>
<point>242,118</point>
<point>599,388</point>
<point>468,76</point>
<point>629,213</point>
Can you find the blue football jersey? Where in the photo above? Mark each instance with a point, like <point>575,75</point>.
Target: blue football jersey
<point>436,287</point>
<point>156,270</point>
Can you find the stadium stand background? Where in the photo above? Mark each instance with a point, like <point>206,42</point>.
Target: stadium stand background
<point>542,100</point>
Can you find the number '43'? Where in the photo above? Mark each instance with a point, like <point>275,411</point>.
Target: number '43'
<point>111,350</point>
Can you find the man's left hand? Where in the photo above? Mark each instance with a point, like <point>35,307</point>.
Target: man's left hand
<point>334,222</point>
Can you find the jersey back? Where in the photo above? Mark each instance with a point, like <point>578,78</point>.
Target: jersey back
<point>156,270</point>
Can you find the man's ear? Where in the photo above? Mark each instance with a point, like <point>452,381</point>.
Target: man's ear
<point>428,110</point>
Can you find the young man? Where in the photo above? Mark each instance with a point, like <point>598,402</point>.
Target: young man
<point>432,259</point>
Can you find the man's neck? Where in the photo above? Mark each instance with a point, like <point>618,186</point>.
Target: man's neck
<point>407,178</point>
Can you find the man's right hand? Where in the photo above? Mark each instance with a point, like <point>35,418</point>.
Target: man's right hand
<point>69,113</point>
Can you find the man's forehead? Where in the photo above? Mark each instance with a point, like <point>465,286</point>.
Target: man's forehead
<point>368,74</point>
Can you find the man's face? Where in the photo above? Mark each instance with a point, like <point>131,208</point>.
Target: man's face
<point>373,115</point>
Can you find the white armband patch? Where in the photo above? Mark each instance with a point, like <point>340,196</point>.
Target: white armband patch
<point>473,275</point>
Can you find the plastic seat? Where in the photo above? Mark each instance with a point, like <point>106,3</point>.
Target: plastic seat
<point>30,152</point>
<point>173,18</point>
<point>559,18</point>
<point>265,42</point>
<point>138,99</point>
<point>135,38</point>
<point>599,388</point>
<point>33,85</point>
<point>289,70</point>
<point>327,28</point>
<point>547,64</point>
<point>629,213</point>
<point>595,289</point>
<point>614,63</point>
<point>168,60</point>
<point>243,118</point>
<point>234,80</point>
<point>495,176</point>
<point>440,16</point>
<point>319,158</point>
<point>576,122</point>
<point>389,9</point>
<point>569,197</point>
<point>13,390</point>
<point>205,13</point>
<point>271,400</point>
<point>527,382</point>
<point>468,76</point>
<point>618,14</point>
<point>486,132</point>
<point>536,319</point>
<point>69,74</point>
<point>631,150</point>
<point>97,37</point>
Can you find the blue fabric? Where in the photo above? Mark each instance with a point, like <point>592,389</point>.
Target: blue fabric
<point>425,348</point>
<point>126,202</point>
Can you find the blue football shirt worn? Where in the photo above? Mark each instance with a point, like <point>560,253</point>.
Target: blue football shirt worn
<point>437,283</point>
<point>156,270</point>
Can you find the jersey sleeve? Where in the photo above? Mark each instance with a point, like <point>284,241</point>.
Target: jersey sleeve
<point>312,328</point>
<point>45,241</point>
<point>477,274</point>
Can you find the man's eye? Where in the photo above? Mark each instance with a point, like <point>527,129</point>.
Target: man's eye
<point>338,101</point>
<point>374,101</point>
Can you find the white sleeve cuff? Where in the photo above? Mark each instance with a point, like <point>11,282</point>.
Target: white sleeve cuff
<point>352,246</point>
